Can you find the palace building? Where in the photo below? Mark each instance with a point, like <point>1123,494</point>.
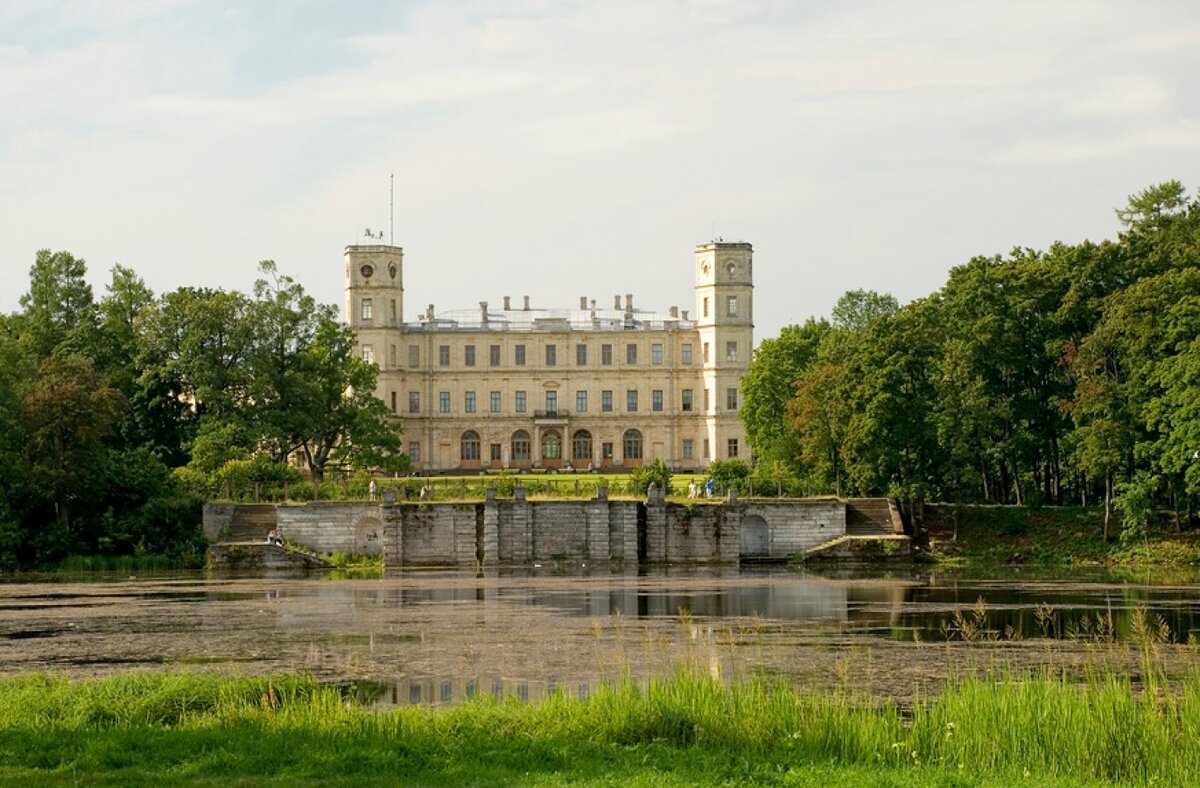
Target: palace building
<point>593,387</point>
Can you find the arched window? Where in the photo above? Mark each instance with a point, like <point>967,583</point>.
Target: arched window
<point>551,445</point>
<point>581,445</point>
<point>470,445</point>
<point>520,445</point>
<point>633,445</point>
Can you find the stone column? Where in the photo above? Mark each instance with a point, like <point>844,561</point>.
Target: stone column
<point>393,536</point>
<point>522,527</point>
<point>596,516</point>
<point>491,528</point>
<point>657,549</point>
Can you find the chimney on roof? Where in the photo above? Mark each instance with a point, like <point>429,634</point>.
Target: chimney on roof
<point>674,311</point>
<point>617,301</point>
<point>582,303</point>
<point>629,302</point>
<point>507,305</point>
<point>483,312</point>
<point>526,303</point>
<point>429,313</point>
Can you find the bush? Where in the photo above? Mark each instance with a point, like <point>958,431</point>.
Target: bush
<point>729,474</point>
<point>656,472</point>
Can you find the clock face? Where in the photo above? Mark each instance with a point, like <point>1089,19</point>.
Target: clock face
<point>366,271</point>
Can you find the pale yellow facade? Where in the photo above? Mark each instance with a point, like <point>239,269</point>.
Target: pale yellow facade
<point>593,387</point>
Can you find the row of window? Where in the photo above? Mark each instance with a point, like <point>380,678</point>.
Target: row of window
<point>581,448</point>
<point>551,354</point>
<point>367,309</point>
<point>521,403</point>
<point>731,306</point>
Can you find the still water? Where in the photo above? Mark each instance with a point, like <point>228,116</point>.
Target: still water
<point>423,637</point>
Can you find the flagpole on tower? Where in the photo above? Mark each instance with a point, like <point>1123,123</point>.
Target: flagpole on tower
<point>392,208</point>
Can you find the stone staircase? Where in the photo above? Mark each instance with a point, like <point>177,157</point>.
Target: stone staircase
<point>250,523</point>
<point>872,517</point>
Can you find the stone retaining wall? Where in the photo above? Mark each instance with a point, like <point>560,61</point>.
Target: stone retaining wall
<point>518,531</point>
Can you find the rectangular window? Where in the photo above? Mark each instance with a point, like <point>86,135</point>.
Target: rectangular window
<point>393,402</point>
<point>606,451</point>
<point>414,355</point>
<point>656,354</point>
<point>631,354</point>
<point>494,402</point>
<point>551,402</point>
<point>519,355</point>
<point>469,402</point>
<point>705,310</point>
<point>443,355</point>
<point>581,402</point>
<point>414,451</point>
<point>689,448</point>
<point>731,306</point>
<point>414,402</point>
<point>631,401</point>
<point>369,354</point>
<point>469,355</point>
<point>686,401</point>
<point>731,399</point>
<point>731,351</point>
<point>393,310</point>
<point>656,400</point>
<point>494,355</point>
<point>443,402</point>
<point>685,353</point>
<point>704,356</point>
<point>733,448</point>
<point>496,455</point>
<point>706,448</point>
<point>606,355</point>
<point>392,354</point>
<point>367,309</point>
<point>551,355</point>
<point>707,402</point>
<point>606,402</point>
<point>520,402</point>
<point>580,355</point>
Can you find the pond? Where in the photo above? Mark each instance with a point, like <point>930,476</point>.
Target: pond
<point>422,637</point>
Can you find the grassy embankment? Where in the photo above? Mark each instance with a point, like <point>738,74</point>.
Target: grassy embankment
<point>1049,536</point>
<point>159,728</point>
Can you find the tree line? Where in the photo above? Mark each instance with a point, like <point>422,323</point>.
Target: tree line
<point>1065,375</point>
<point>119,415</point>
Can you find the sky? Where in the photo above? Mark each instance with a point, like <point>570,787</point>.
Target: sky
<point>559,149</point>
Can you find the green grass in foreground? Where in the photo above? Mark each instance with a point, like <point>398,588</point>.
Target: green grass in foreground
<point>168,728</point>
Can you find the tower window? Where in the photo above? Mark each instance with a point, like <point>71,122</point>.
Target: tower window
<point>704,309</point>
<point>704,354</point>
<point>731,351</point>
<point>367,309</point>
<point>368,354</point>
<point>731,306</point>
<point>731,399</point>
<point>685,353</point>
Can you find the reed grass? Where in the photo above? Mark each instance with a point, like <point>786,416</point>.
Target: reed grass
<point>688,728</point>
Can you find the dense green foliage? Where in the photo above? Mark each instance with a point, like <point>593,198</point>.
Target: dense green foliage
<point>117,416</point>
<point>1043,377</point>
<point>688,729</point>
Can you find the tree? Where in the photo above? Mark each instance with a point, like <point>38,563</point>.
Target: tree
<point>770,383</point>
<point>59,309</point>
<point>66,414</point>
<point>856,309</point>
